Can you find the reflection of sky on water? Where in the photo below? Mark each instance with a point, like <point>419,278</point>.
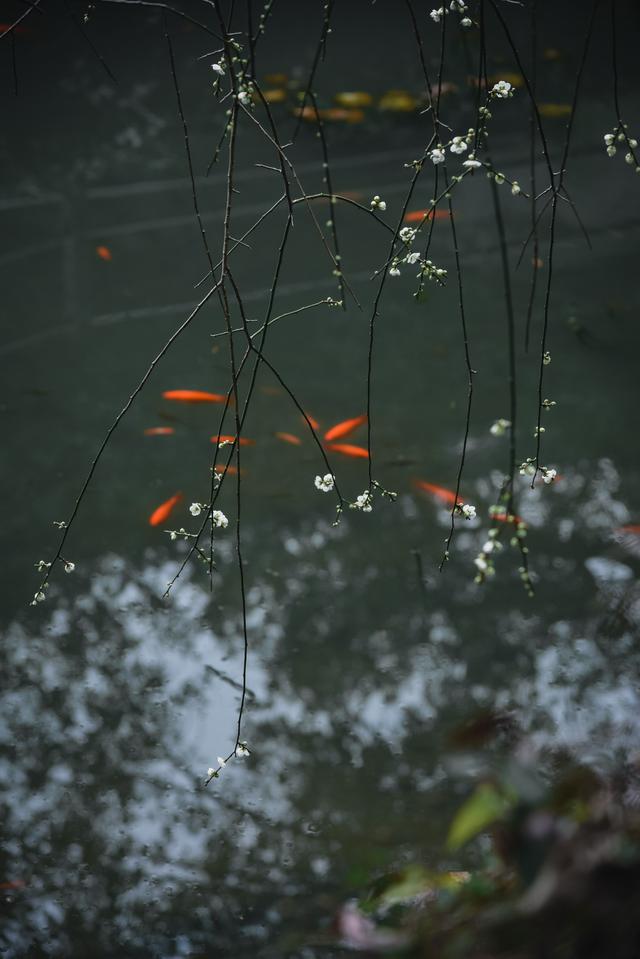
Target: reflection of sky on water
<point>114,709</point>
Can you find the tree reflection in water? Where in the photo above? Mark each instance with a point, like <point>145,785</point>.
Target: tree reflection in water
<point>113,710</point>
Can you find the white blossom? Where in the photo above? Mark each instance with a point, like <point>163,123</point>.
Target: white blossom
<point>546,358</point>
<point>469,512</point>
<point>69,566</point>
<point>481,563</point>
<point>412,258</point>
<point>548,475</point>
<point>243,97</point>
<point>219,519</point>
<point>325,483</point>
<point>242,751</point>
<point>222,762</point>
<point>195,509</point>
<point>502,89</point>
<point>466,22</point>
<point>472,163</point>
<point>407,234</point>
<point>211,772</point>
<point>436,14</point>
<point>515,188</point>
<point>394,271</point>
<point>499,427</point>
<point>458,145</point>
<point>378,204</point>
<point>609,138</point>
<point>489,546</point>
<point>437,156</point>
<point>38,598</point>
<point>364,502</point>
<point>41,565</point>
<point>218,68</point>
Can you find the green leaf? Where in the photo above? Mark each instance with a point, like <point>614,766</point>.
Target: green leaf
<point>485,806</point>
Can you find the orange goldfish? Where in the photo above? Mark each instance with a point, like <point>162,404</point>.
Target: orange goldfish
<point>340,114</point>
<point>289,438</point>
<point>221,469</point>
<point>104,253</point>
<point>314,423</point>
<point>345,428</point>
<point>195,396</point>
<point>633,529</point>
<point>159,431</point>
<point>416,216</point>
<point>165,509</point>
<point>504,517</point>
<point>243,441</point>
<point>12,883</point>
<point>348,449</point>
<point>444,495</point>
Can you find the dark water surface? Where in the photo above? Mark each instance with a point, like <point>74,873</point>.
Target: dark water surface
<point>113,701</point>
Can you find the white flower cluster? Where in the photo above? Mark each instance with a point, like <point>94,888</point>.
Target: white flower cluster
<point>528,467</point>
<point>325,483</point>
<point>437,155</point>
<point>217,517</point>
<point>458,145</point>
<point>240,752</point>
<point>548,475</point>
<point>218,68</point>
<point>432,272</point>
<point>620,134</point>
<point>502,89</point>
<point>484,560</point>
<point>456,6</point>
<point>471,163</point>
<point>378,204</point>
<point>466,510</point>
<point>363,502</point>
<point>407,234</point>
<point>500,427</point>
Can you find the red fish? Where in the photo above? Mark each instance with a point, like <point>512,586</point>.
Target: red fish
<point>221,469</point>
<point>444,495</point>
<point>159,431</point>
<point>345,428</point>
<point>4,27</point>
<point>314,423</point>
<point>417,216</point>
<point>289,438</point>
<point>104,253</point>
<point>163,512</point>
<point>13,883</point>
<point>243,441</point>
<point>348,449</point>
<point>505,517</point>
<point>195,396</point>
<point>633,529</point>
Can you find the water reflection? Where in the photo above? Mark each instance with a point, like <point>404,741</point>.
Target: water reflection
<point>116,703</point>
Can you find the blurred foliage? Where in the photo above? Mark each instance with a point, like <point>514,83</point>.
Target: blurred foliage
<point>553,858</point>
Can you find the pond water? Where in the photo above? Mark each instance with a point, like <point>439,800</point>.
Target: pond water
<point>363,657</point>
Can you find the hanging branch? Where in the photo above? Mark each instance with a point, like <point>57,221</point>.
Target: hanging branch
<point>320,53</point>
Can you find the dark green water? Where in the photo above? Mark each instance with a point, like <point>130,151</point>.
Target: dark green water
<point>113,701</point>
